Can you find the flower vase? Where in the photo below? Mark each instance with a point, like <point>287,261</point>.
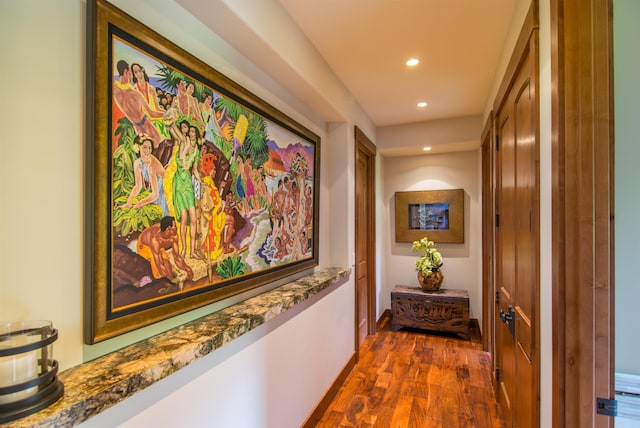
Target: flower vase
<point>431,282</point>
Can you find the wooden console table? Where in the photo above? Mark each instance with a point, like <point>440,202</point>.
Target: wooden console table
<point>442,310</point>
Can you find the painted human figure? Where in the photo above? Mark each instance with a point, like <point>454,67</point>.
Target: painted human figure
<point>194,108</point>
<point>211,217</point>
<point>181,101</point>
<point>281,250</point>
<point>278,204</point>
<point>251,197</point>
<point>229,228</point>
<point>153,244</point>
<point>149,92</point>
<point>133,104</point>
<point>262,193</point>
<point>211,125</point>
<point>141,83</point>
<point>241,183</point>
<point>148,174</point>
<point>184,201</point>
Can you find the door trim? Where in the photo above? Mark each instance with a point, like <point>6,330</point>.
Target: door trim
<point>364,145</point>
<point>488,241</point>
<point>582,210</point>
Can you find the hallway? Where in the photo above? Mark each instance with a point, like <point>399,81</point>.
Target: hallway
<point>413,379</point>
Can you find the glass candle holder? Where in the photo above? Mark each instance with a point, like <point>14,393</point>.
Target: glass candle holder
<point>28,380</point>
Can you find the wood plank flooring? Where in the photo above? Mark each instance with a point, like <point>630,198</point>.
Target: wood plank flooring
<point>412,378</point>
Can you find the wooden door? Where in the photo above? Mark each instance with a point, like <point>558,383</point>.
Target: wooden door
<point>365,236</point>
<point>517,237</point>
<point>505,265</point>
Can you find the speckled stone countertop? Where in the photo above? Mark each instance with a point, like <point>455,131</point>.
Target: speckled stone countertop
<point>92,387</point>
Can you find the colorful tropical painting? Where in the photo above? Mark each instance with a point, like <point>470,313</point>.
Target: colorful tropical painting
<point>204,189</point>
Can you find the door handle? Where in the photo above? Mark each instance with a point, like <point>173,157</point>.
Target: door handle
<point>508,318</point>
<point>505,316</point>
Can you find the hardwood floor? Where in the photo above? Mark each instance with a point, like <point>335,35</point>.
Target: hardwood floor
<point>412,378</point>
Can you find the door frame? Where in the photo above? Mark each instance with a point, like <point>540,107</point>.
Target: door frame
<point>488,238</point>
<point>364,145</point>
<point>582,210</point>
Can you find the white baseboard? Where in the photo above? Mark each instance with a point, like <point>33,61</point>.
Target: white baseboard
<point>628,383</point>
<point>628,396</point>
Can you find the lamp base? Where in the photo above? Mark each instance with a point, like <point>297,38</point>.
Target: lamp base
<point>43,398</point>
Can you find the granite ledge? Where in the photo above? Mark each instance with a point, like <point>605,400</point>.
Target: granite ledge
<point>92,387</point>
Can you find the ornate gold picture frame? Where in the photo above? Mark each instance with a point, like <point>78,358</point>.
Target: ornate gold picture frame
<point>439,214</point>
<point>197,189</point>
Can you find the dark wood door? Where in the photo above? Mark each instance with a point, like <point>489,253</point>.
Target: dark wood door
<point>365,236</point>
<point>505,265</point>
<point>362,278</point>
<point>517,242</point>
<point>525,111</point>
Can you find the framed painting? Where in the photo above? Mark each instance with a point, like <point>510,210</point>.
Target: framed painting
<point>197,190</point>
<point>439,214</point>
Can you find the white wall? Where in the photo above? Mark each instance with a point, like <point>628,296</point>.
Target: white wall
<point>41,167</point>
<point>457,134</point>
<point>251,382</point>
<point>626,14</point>
<point>462,262</point>
<point>287,367</point>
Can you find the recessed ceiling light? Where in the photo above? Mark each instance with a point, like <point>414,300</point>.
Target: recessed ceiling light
<point>413,62</point>
<point>426,149</point>
<point>422,104</point>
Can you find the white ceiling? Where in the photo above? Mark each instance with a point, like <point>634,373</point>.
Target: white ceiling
<point>367,42</point>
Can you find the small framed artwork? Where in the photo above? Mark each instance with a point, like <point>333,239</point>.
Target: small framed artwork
<point>439,214</point>
<point>197,189</point>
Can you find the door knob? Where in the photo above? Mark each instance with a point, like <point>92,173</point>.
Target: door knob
<point>507,318</point>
